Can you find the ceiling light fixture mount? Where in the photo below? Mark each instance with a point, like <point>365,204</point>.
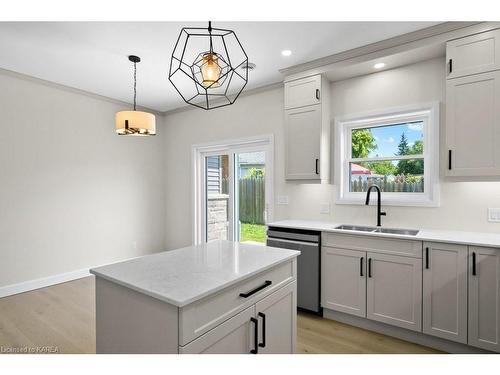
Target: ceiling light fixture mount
<point>135,122</point>
<point>286,52</point>
<point>205,67</point>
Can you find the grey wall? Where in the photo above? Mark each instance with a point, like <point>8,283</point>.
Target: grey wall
<point>463,204</point>
<point>72,193</point>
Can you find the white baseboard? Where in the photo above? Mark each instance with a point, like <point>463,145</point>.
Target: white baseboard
<point>26,286</point>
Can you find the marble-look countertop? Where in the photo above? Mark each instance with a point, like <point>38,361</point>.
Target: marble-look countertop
<point>183,276</point>
<point>448,236</point>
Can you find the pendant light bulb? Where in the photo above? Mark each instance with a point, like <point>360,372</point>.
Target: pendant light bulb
<point>210,70</point>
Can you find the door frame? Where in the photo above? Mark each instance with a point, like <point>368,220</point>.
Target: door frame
<point>198,184</point>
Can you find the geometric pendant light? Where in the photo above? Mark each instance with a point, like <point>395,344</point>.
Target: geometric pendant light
<point>209,67</point>
<point>135,122</point>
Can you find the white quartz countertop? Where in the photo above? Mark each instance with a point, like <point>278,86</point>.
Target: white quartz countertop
<point>449,236</point>
<point>183,276</point>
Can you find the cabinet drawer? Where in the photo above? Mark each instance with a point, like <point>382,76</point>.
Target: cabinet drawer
<point>409,248</point>
<point>199,317</point>
<point>303,92</point>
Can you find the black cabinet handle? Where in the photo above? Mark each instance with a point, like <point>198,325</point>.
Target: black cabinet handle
<point>474,264</point>
<point>369,267</point>
<point>361,266</point>
<point>263,343</point>
<point>317,166</point>
<point>427,258</point>
<point>259,288</point>
<point>449,160</point>
<point>317,94</point>
<point>450,63</point>
<point>255,350</point>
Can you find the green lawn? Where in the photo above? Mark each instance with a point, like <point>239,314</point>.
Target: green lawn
<point>252,232</point>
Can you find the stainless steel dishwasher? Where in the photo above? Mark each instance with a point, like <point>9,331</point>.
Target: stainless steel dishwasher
<point>308,263</point>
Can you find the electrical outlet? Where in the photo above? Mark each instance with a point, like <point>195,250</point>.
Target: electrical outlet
<point>282,199</point>
<point>324,208</point>
<point>494,215</point>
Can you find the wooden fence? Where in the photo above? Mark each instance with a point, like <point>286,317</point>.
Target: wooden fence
<point>252,200</point>
<point>398,185</point>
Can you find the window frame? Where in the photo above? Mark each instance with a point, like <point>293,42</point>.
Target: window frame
<point>429,114</point>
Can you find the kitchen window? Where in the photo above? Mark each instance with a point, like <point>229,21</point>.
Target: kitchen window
<point>395,149</point>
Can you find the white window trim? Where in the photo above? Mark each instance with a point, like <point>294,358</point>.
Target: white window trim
<point>429,113</point>
<point>199,151</point>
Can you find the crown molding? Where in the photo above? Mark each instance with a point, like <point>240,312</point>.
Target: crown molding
<point>446,30</point>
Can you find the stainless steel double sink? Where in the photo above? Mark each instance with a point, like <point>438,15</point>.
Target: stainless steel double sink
<point>360,228</point>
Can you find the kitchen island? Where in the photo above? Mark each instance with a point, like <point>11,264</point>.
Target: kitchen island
<point>219,297</point>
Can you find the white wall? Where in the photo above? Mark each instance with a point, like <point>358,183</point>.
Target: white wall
<point>72,193</point>
<point>463,204</point>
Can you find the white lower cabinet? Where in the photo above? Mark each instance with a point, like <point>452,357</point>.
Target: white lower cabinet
<point>394,290</point>
<point>343,283</point>
<point>445,291</point>
<point>484,298</point>
<point>268,326</point>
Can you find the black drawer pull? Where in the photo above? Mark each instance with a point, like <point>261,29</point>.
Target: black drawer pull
<point>263,343</point>
<point>369,267</point>
<point>259,288</point>
<point>449,160</point>
<point>317,167</point>
<point>427,258</point>
<point>474,264</point>
<point>255,349</point>
<point>361,266</point>
<point>317,94</point>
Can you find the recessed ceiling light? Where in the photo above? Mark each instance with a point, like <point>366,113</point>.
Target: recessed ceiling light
<point>379,65</point>
<point>286,52</point>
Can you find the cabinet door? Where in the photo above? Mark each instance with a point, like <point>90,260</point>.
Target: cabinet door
<point>394,290</point>
<point>473,54</point>
<point>303,92</point>
<point>234,336</point>
<point>484,298</point>
<point>445,291</point>
<point>343,280</point>
<point>473,125</point>
<point>277,315</point>
<point>303,137</point>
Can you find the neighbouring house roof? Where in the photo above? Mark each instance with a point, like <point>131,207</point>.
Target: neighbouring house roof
<point>253,158</point>
<point>358,169</point>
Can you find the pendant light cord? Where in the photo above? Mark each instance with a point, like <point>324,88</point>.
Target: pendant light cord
<point>210,34</point>
<point>135,84</point>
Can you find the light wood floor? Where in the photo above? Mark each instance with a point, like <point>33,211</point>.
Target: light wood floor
<point>63,316</point>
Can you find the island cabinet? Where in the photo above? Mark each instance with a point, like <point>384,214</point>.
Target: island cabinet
<point>445,291</point>
<point>225,298</point>
<point>484,298</point>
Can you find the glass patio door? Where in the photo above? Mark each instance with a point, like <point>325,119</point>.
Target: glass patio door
<point>234,194</point>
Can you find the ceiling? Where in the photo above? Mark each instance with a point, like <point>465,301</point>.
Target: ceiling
<point>92,56</point>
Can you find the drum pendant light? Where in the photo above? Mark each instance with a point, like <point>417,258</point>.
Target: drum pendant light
<point>135,122</point>
<point>208,67</point>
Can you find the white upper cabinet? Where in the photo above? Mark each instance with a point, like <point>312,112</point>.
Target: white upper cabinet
<point>484,298</point>
<point>303,143</point>
<point>394,290</point>
<point>303,92</point>
<point>445,291</point>
<point>307,129</point>
<point>473,125</point>
<point>343,280</point>
<point>474,54</point>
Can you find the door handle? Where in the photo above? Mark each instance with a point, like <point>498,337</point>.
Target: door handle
<point>474,264</point>
<point>263,343</point>
<point>369,267</point>
<point>449,160</point>
<point>361,266</point>
<point>255,349</point>
<point>317,94</point>
<point>317,166</point>
<point>427,258</point>
<point>450,63</point>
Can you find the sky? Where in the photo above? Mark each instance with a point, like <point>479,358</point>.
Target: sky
<point>388,137</point>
